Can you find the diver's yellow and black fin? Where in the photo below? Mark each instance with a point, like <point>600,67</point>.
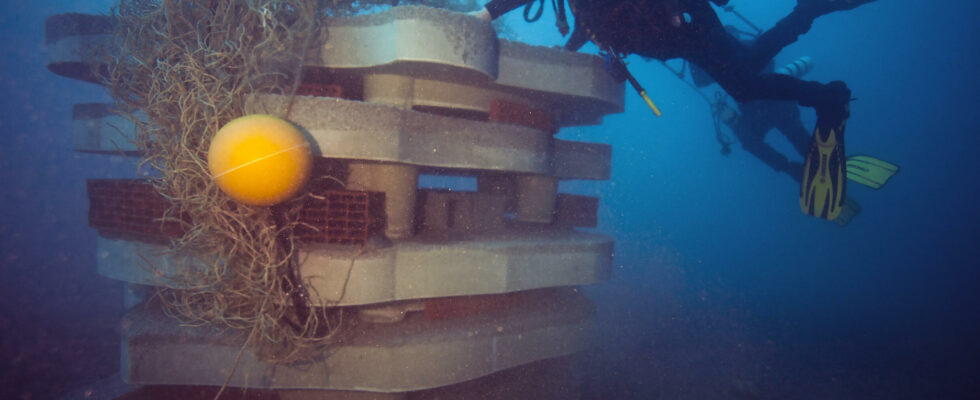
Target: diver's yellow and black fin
<point>850,210</point>
<point>870,171</point>
<point>824,181</point>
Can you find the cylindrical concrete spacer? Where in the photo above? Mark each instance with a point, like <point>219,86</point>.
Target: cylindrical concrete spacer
<point>400,184</point>
<point>536,196</point>
<point>495,183</point>
<point>395,90</point>
<point>499,184</point>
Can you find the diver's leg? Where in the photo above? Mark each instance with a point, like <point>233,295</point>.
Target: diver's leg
<point>751,131</point>
<point>784,33</point>
<point>707,45</point>
<point>829,100</point>
<point>786,118</point>
<point>823,183</point>
<point>790,28</point>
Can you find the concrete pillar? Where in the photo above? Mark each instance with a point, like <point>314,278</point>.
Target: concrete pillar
<point>536,198</point>
<point>399,182</point>
<point>395,90</point>
<point>496,184</point>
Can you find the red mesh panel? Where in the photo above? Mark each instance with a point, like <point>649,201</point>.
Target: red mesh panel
<point>519,114</point>
<point>341,217</point>
<point>130,209</point>
<point>324,82</point>
<point>319,89</point>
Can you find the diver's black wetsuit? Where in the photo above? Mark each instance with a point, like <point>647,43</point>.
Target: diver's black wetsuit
<point>758,118</point>
<point>649,28</point>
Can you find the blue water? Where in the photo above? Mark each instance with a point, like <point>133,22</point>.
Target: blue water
<point>722,288</point>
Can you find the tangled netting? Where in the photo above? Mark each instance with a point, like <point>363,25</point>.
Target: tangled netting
<point>188,67</point>
<point>182,69</point>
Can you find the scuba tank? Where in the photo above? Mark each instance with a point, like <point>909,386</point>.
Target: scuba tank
<point>796,68</point>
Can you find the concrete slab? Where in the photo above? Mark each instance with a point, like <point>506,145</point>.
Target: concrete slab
<point>73,41</point>
<point>407,270</point>
<point>448,60</point>
<point>482,265</point>
<point>455,62</point>
<point>581,160</point>
<point>411,355</point>
<point>97,129</point>
<point>347,129</point>
<point>413,40</point>
<point>574,87</point>
<point>139,263</point>
<point>354,130</point>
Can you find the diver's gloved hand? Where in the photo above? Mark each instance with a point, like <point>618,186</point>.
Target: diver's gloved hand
<point>821,7</point>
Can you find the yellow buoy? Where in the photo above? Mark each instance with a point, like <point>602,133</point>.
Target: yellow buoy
<point>260,159</point>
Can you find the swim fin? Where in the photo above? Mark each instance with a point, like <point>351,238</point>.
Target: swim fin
<point>850,210</point>
<point>870,171</point>
<point>824,180</point>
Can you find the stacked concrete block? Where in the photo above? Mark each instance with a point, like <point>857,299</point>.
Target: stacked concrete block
<point>453,290</point>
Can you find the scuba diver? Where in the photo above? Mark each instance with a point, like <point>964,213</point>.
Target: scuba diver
<point>691,30</point>
<point>753,120</point>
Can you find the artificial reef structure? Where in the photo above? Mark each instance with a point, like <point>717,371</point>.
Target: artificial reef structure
<point>361,284</point>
